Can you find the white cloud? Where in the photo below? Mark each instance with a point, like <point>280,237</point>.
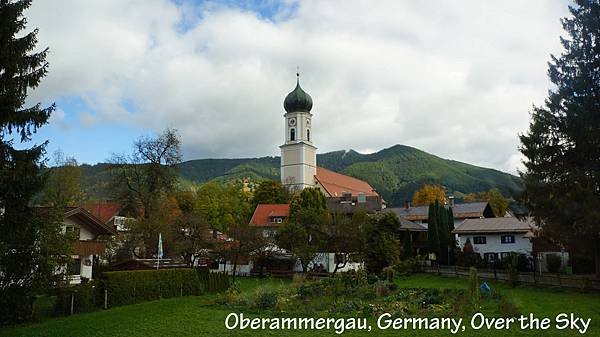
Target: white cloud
<point>456,79</point>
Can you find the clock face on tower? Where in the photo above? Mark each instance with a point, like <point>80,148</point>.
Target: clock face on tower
<point>292,121</point>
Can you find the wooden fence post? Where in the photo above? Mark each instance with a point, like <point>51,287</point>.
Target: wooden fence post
<point>181,290</point>
<point>105,299</point>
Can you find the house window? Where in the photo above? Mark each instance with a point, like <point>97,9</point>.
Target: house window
<point>72,230</point>
<point>308,134</point>
<point>479,240</point>
<point>505,256</point>
<point>507,239</point>
<point>292,134</point>
<point>490,257</point>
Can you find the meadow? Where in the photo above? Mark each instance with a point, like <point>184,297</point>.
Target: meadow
<point>201,316</point>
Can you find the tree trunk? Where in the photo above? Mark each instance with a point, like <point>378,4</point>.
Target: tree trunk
<point>596,247</point>
<point>235,259</point>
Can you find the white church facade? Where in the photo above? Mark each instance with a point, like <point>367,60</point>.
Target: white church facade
<point>298,154</point>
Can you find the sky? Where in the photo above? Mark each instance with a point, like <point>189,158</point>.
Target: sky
<point>457,79</point>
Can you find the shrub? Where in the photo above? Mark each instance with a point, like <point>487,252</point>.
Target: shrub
<point>474,286</point>
<point>409,266</point>
<point>266,299</point>
<point>513,269</point>
<point>311,289</point>
<point>298,278</point>
<point>84,299</point>
<point>389,273</point>
<point>381,289</point>
<point>553,263</point>
<point>507,308</point>
<point>128,287</point>
<point>582,264</point>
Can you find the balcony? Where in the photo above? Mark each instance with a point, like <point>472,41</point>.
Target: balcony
<point>89,247</point>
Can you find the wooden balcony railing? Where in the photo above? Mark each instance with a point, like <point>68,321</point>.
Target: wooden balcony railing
<point>89,247</point>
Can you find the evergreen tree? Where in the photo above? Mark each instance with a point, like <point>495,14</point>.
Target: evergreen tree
<point>31,243</point>
<point>562,145</point>
<point>433,239</point>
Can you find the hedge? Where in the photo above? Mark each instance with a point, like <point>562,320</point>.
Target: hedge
<point>128,287</point>
<point>213,282</point>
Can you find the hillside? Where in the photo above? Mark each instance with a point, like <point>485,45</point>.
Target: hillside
<point>395,172</point>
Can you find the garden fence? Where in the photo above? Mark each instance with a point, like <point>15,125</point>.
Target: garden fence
<point>584,282</point>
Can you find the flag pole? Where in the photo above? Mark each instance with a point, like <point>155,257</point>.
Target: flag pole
<point>159,253</point>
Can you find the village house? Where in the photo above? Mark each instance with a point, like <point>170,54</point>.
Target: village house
<point>91,235</point>
<point>461,212</point>
<point>496,238</point>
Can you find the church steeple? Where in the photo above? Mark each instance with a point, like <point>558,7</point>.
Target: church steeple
<point>298,154</point>
<point>298,99</point>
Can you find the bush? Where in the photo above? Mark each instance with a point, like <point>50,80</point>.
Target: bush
<point>84,299</point>
<point>474,287</point>
<point>469,259</point>
<point>513,269</point>
<point>553,263</point>
<point>582,264</point>
<point>507,308</point>
<point>311,289</point>
<point>266,299</point>
<point>389,273</point>
<point>409,266</point>
<point>128,287</point>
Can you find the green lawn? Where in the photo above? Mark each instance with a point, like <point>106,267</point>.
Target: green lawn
<point>195,316</point>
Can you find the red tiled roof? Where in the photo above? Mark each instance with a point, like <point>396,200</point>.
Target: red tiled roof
<point>336,184</point>
<point>104,210</point>
<point>263,213</point>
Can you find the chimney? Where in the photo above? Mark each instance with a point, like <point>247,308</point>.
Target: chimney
<point>451,200</point>
<point>407,204</point>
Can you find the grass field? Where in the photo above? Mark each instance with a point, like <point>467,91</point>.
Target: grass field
<point>196,316</point>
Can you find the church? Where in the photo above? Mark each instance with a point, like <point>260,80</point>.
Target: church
<point>299,170</point>
<point>299,167</point>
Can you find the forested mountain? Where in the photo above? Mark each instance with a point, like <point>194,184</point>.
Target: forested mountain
<point>395,172</point>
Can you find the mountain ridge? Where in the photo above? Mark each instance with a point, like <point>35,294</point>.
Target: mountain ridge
<point>395,172</point>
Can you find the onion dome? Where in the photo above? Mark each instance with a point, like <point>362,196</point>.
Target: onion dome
<point>297,100</point>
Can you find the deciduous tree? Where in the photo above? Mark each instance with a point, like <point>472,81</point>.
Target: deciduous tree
<point>382,247</point>
<point>270,192</point>
<point>428,194</point>
<point>302,233</point>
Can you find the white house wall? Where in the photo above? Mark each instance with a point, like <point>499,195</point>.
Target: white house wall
<point>494,245</point>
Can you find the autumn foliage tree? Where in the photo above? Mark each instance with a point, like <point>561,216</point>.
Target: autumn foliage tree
<point>494,197</point>
<point>428,194</point>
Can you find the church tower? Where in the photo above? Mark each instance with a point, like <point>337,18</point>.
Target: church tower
<point>298,154</point>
